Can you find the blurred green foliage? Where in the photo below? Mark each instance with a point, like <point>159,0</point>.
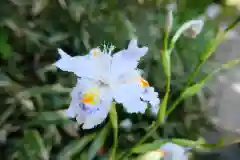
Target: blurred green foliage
<point>33,93</point>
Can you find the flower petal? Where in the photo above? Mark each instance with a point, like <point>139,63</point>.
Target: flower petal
<point>135,51</point>
<point>151,96</point>
<point>73,109</point>
<point>135,106</point>
<point>89,115</point>
<point>133,91</point>
<point>174,151</point>
<point>129,57</point>
<point>99,116</point>
<point>131,101</point>
<point>64,63</point>
<point>82,66</point>
<point>71,112</point>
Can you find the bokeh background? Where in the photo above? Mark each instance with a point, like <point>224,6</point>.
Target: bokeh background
<point>34,93</point>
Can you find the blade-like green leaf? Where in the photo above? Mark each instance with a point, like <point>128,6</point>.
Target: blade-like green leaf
<point>58,37</point>
<point>192,90</point>
<point>166,62</point>
<point>98,142</point>
<point>49,118</point>
<point>185,142</point>
<point>149,146</point>
<point>5,48</point>
<point>62,3</point>
<point>38,6</point>
<point>74,147</point>
<point>34,145</point>
<point>76,10</point>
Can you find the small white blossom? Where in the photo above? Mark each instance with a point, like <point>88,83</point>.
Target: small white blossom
<point>174,152</point>
<point>126,124</point>
<point>103,78</point>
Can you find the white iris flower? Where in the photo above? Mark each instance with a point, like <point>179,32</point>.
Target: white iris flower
<point>103,78</point>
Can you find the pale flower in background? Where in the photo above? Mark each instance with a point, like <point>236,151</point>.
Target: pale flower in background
<point>236,87</point>
<point>235,3</point>
<point>103,78</point>
<point>168,151</point>
<point>213,10</point>
<point>126,124</point>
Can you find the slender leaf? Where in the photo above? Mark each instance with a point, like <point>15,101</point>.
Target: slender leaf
<point>74,147</point>
<point>34,145</point>
<point>49,118</point>
<point>98,142</point>
<point>149,146</point>
<point>192,90</point>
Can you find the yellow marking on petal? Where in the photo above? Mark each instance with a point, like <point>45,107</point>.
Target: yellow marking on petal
<point>89,98</point>
<point>95,53</point>
<point>143,82</point>
<point>161,152</point>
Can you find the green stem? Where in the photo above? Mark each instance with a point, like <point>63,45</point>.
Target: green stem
<point>157,123</point>
<point>163,106</point>
<point>233,24</point>
<point>162,111</point>
<point>211,49</point>
<point>114,121</point>
<point>143,139</point>
<point>206,55</point>
<point>175,104</point>
<point>194,73</point>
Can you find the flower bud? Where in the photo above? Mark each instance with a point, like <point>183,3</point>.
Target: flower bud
<point>169,21</point>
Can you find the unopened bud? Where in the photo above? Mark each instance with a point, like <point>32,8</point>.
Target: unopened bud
<point>190,29</point>
<point>172,6</point>
<point>194,29</point>
<point>169,21</point>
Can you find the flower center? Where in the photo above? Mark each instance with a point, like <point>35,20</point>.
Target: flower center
<point>95,53</point>
<point>143,82</point>
<point>89,98</point>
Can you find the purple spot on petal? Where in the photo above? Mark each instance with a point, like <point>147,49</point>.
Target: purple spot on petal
<point>88,110</point>
<point>85,108</point>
